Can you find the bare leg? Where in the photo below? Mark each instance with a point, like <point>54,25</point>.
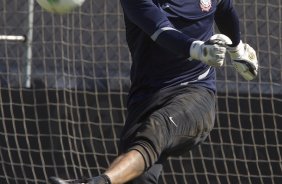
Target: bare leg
<point>126,167</point>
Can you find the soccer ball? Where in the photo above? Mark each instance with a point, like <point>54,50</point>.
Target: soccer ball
<point>60,6</point>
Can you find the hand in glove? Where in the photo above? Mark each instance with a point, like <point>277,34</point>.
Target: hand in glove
<point>244,60</point>
<point>211,52</point>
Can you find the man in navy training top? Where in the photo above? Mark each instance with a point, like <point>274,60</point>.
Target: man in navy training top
<point>171,102</point>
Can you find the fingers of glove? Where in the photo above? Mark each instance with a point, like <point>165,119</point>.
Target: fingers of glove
<point>236,52</point>
<point>247,65</point>
<point>246,69</point>
<point>244,60</point>
<point>211,54</point>
<point>216,63</point>
<point>218,54</point>
<point>249,57</point>
<point>219,50</point>
<point>219,39</point>
<point>214,55</point>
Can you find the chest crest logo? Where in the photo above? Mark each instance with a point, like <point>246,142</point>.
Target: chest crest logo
<point>205,5</point>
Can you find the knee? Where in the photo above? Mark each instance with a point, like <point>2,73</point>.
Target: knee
<point>148,153</point>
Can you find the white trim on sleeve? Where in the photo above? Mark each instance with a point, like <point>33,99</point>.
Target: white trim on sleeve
<point>159,31</point>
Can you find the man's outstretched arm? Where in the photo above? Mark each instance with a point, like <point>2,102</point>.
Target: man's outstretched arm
<point>243,56</point>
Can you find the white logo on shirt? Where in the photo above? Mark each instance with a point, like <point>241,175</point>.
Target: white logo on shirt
<point>205,5</point>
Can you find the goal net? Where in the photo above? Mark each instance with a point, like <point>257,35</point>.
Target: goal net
<point>63,87</point>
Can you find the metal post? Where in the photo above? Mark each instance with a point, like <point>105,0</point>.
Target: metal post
<point>29,39</point>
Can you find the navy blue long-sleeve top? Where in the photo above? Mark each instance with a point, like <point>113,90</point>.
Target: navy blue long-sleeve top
<point>159,34</point>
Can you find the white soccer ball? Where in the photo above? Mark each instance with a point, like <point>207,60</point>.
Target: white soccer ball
<point>60,6</point>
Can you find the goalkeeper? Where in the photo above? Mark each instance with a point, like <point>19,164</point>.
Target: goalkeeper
<point>171,102</point>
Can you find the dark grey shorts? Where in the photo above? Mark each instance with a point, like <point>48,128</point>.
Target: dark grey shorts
<point>169,124</point>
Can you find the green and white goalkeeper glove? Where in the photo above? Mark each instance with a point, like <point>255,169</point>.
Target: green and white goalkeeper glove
<point>211,52</point>
<point>244,60</point>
